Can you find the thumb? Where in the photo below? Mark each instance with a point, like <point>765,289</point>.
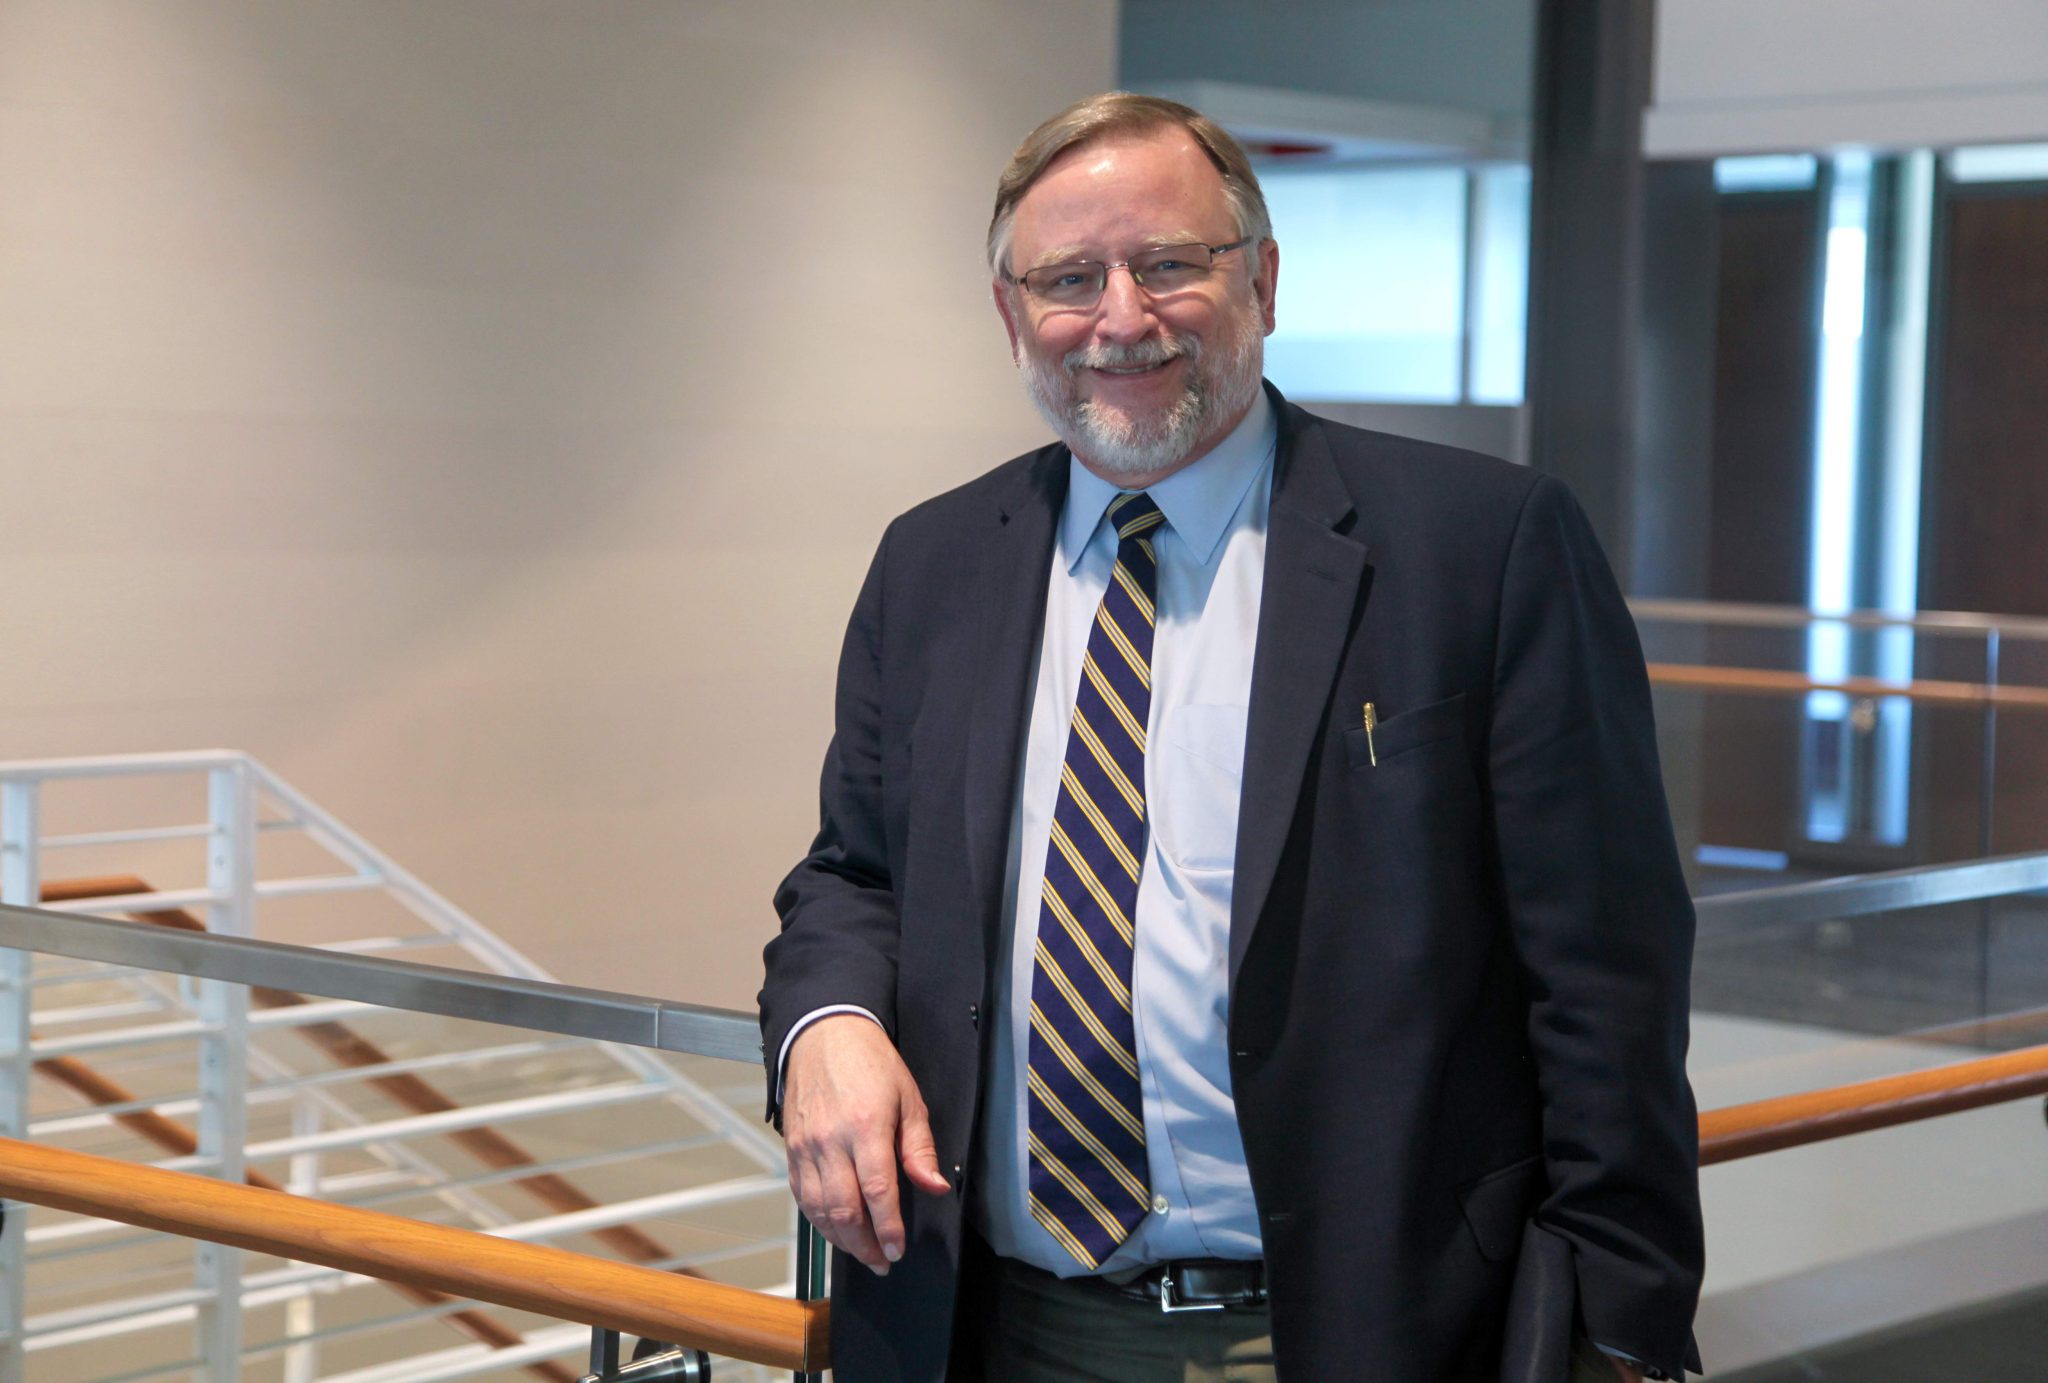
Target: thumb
<point>919,1152</point>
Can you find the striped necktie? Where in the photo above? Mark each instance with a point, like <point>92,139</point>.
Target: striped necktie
<point>1086,1118</point>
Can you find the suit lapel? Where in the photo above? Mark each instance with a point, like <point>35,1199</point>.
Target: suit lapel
<point>1306,608</point>
<point>1015,563</point>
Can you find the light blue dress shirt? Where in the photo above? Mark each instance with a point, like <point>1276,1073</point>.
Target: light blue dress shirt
<point>1211,568</point>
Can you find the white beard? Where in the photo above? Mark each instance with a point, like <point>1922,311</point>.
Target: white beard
<point>1118,443</point>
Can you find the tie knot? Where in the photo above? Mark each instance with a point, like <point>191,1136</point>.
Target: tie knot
<point>1134,515</point>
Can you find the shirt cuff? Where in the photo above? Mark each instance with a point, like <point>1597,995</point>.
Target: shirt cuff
<point>1632,1362</point>
<point>782,1057</point>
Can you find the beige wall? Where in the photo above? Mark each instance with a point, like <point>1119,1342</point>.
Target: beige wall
<point>484,411</point>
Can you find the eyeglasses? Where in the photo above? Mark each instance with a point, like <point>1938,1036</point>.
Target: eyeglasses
<point>1164,269</point>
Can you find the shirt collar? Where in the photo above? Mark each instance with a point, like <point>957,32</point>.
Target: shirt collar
<point>1198,500</point>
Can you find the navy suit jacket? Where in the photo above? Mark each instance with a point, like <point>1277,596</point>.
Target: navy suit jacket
<point>1458,977</point>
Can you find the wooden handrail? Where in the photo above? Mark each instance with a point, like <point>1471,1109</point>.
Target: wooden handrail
<point>346,1047</point>
<point>1774,682</point>
<point>712,1316</point>
<point>182,1140</point>
<point>1790,1121</point>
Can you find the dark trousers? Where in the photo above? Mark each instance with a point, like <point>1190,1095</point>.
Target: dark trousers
<point>1045,1329</point>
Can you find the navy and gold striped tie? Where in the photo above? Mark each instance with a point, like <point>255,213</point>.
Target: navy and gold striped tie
<point>1086,1118</point>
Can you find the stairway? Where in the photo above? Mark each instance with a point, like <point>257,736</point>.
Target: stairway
<point>612,1150</point>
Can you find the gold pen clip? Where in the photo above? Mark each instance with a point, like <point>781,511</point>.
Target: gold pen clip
<point>1372,720</point>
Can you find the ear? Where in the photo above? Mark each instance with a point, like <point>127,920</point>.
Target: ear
<point>1266,281</point>
<point>1006,308</point>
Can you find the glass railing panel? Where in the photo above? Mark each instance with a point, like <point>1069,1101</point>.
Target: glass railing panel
<point>1966,974</point>
<point>132,1312</point>
<point>1885,969</point>
<point>1767,778</point>
<point>611,1150</point>
<point>1938,1214</point>
<point>2022,743</point>
<point>124,1304</point>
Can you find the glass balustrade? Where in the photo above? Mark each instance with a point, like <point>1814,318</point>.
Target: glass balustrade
<point>527,1133</point>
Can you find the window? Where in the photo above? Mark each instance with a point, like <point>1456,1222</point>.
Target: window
<point>1870,344</point>
<point>1400,284</point>
<point>2000,163</point>
<point>1499,323</point>
<point>1766,173</point>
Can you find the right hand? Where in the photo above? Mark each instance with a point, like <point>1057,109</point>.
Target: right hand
<point>850,1111</point>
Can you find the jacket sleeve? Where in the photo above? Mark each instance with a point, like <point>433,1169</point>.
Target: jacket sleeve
<point>1603,924</point>
<point>838,940</point>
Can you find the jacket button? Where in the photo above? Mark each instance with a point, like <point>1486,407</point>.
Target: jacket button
<point>974,1014</point>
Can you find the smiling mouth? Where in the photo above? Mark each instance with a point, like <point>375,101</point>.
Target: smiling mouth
<point>1122,370</point>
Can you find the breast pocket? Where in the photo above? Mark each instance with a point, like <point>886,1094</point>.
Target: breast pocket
<point>1197,774</point>
<point>1410,730</point>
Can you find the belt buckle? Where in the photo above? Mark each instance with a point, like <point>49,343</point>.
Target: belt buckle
<point>1169,1306</point>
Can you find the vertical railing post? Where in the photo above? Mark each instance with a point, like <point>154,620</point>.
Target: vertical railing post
<point>223,1058</point>
<point>302,1313</point>
<point>1987,786</point>
<point>20,884</point>
<point>1987,829</point>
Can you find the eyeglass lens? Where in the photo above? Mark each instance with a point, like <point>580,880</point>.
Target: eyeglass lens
<point>1164,269</point>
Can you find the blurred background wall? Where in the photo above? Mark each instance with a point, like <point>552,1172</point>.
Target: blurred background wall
<point>1754,75</point>
<point>484,412</point>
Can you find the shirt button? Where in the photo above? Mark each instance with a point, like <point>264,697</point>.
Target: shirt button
<point>974,1014</point>
<point>1159,1206</point>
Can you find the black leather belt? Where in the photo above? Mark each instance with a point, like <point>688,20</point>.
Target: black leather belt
<point>1195,1284</point>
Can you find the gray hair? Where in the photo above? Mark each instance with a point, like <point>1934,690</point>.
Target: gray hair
<point>1124,112</point>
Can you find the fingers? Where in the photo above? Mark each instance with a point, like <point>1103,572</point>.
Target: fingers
<point>851,1110</point>
<point>828,1191</point>
<point>919,1152</point>
<point>874,1162</point>
<point>844,1219</point>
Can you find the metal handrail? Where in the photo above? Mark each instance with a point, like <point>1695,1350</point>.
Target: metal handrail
<point>697,1029</point>
<point>733,1034</point>
<point>1756,681</point>
<point>1935,622</point>
<point>1858,895</point>
<point>606,1016</point>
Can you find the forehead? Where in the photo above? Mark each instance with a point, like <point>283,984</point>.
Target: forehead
<point>1119,193</point>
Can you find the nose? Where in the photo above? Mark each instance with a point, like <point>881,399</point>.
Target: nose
<point>1126,310</point>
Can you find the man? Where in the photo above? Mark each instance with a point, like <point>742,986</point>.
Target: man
<point>1244,879</point>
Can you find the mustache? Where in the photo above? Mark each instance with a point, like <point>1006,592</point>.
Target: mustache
<point>1156,351</point>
